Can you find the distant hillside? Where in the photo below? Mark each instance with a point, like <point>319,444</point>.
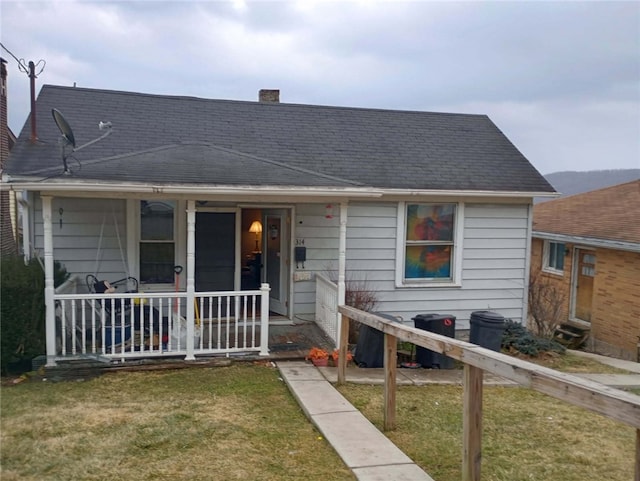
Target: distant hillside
<point>569,183</point>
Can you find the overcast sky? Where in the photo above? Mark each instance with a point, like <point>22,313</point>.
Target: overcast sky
<point>560,79</point>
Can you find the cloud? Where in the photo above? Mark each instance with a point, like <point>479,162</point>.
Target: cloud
<point>562,79</point>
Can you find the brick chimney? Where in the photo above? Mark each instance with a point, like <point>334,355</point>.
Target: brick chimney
<point>269,95</point>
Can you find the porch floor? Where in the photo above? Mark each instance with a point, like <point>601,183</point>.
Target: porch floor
<point>288,340</point>
<point>293,341</point>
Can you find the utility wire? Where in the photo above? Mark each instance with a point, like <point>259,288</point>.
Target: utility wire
<point>22,64</point>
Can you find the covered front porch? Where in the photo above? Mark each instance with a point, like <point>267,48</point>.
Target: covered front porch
<point>137,326</point>
<point>183,320</point>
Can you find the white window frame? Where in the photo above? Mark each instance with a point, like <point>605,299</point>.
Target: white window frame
<point>546,252</point>
<point>134,239</point>
<point>456,258</point>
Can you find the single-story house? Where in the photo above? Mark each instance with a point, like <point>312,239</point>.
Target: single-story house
<point>588,246</point>
<point>223,210</point>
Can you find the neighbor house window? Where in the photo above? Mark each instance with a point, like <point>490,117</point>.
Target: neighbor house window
<point>554,256</point>
<point>157,245</point>
<point>429,242</point>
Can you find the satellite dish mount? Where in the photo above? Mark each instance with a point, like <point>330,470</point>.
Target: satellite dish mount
<point>68,139</point>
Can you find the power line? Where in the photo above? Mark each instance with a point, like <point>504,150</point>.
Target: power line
<point>22,64</point>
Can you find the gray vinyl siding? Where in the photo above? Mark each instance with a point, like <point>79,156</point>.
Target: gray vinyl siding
<point>493,270</point>
<point>76,240</point>
<point>321,237</point>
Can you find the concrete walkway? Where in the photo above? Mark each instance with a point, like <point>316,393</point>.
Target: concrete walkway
<point>369,454</point>
<point>610,361</point>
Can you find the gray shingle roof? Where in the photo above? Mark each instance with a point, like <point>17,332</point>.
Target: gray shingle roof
<point>168,139</point>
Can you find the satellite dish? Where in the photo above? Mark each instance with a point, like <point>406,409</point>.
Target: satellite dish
<point>65,128</point>
<point>69,139</point>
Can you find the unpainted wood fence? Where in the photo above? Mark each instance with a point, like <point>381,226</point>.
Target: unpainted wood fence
<point>613,403</point>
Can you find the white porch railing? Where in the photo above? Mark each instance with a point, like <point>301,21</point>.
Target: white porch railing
<point>327,307</point>
<point>143,325</point>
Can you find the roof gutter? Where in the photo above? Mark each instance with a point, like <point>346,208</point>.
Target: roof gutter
<point>184,189</point>
<point>187,190</point>
<point>588,241</point>
<point>466,193</point>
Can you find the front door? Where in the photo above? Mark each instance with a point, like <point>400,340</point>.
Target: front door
<point>276,258</point>
<point>585,272</point>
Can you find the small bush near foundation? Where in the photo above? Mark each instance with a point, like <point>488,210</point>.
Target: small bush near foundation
<point>517,337</point>
<point>22,311</point>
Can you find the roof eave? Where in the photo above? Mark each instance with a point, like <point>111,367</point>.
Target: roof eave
<point>75,188</point>
<point>588,241</point>
<point>74,185</point>
<point>464,193</point>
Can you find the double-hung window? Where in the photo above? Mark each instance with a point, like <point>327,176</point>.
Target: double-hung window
<point>157,243</point>
<point>553,256</point>
<point>428,246</point>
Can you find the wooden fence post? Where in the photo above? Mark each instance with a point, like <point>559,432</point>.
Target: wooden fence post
<point>637,455</point>
<point>342,350</point>
<point>472,423</point>
<point>390,364</point>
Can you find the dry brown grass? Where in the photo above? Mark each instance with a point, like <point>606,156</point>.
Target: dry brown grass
<point>230,423</point>
<point>569,362</point>
<point>526,435</point>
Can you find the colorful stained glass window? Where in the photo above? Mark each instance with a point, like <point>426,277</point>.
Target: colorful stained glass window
<point>429,241</point>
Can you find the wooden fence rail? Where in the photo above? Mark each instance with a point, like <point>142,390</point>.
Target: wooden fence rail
<point>610,402</point>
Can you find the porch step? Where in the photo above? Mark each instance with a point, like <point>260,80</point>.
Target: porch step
<point>567,333</point>
<point>76,369</point>
<point>571,335</point>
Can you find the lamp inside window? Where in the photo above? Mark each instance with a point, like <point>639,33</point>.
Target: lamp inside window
<point>256,228</point>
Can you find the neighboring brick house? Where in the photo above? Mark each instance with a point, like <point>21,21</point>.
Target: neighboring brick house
<point>8,244</point>
<point>589,244</point>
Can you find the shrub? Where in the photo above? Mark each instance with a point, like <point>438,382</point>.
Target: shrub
<point>358,294</point>
<point>517,337</point>
<point>546,303</point>
<point>22,309</point>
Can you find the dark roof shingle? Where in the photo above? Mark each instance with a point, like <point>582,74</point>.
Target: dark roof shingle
<point>341,146</point>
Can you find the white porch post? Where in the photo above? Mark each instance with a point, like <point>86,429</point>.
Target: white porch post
<point>264,319</point>
<point>342,266</point>
<point>191,287</point>
<point>50,308</point>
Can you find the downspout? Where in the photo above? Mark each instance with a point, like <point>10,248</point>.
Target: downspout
<point>527,267</point>
<point>191,268</point>
<point>25,200</point>
<point>50,310</point>
<point>342,264</point>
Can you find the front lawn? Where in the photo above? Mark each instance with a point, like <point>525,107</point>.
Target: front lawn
<point>240,422</point>
<point>223,423</point>
<point>526,435</point>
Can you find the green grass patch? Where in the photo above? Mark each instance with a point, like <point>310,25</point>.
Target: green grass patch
<point>224,423</point>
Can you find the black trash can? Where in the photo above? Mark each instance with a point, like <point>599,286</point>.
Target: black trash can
<point>486,329</point>
<point>370,346</point>
<point>443,324</point>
